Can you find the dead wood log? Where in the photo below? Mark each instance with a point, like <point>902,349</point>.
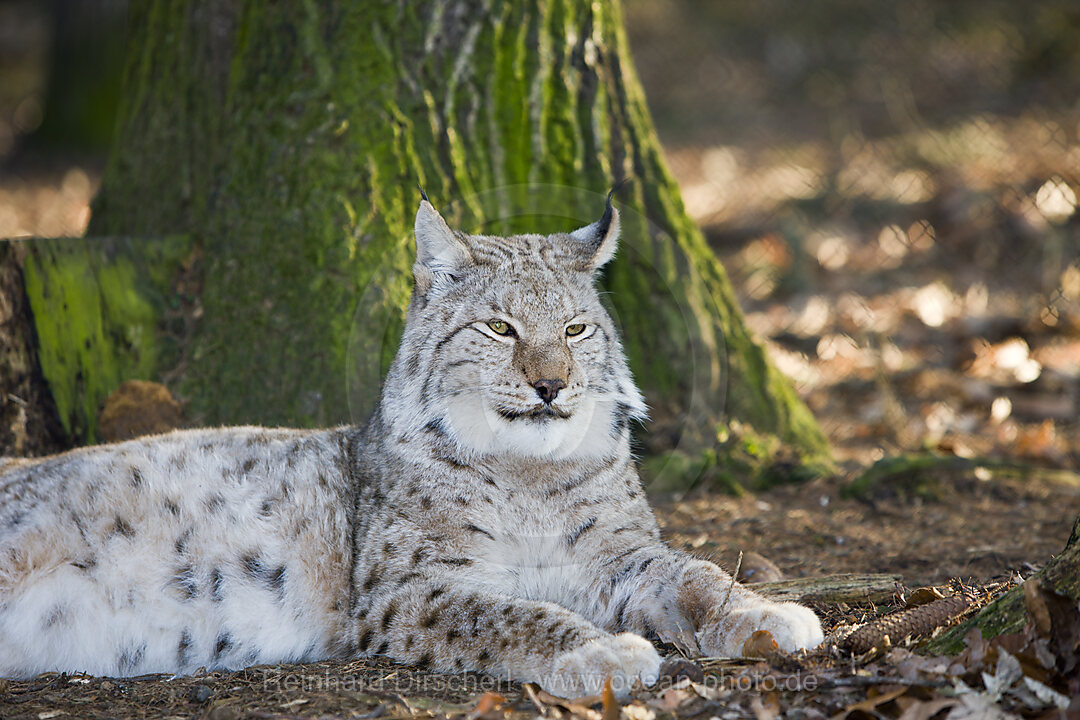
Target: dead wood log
<point>844,587</point>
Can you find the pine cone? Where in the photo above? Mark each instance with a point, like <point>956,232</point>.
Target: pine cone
<point>921,620</point>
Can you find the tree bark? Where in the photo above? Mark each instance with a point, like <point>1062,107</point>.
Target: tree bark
<point>28,420</point>
<point>876,588</point>
<point>287,141</point>
<point>85,69</point>
<point>101,316</point>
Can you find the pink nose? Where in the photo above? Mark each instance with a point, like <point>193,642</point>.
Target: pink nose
<point>548,390</point>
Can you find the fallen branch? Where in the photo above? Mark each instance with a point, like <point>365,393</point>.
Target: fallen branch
<point>874,588</point>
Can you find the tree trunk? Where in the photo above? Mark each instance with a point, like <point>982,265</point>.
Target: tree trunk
<point>287,141</point>
<point>28,422</point>
<point>85,69</point>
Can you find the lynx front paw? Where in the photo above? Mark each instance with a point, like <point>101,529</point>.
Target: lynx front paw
<point>792,626</point>
<point>625,658</point>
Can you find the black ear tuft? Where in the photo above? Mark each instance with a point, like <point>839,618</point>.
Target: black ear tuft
<point>604,224</point>
<point>423,195</point>
<point>601,237</point>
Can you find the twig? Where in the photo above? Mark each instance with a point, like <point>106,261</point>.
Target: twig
<point>529,691</point>
<point>872,680</point>
<point>723,605</point>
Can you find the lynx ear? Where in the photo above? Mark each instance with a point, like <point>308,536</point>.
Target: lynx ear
<point>439,252</point>
<point>601,237</point>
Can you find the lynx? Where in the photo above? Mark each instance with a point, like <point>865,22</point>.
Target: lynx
<point>488,517</point>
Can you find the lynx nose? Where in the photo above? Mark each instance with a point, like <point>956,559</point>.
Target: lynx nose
<point>548,390</point>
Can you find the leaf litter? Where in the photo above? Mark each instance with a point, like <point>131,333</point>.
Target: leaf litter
<point>1030,674</point>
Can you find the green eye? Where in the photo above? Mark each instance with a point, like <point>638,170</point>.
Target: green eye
<point>500,327</point>
<point>575,329</point>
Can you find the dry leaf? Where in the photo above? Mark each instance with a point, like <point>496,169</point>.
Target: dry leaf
<point>757,568</point>
<point>676,668</point>
<point>1041,443</point>
<point>923,595</point>
<point>978,706</point>
<point>1046,694</point>
<point>925,710</point>
<point>579,707</point>
<point>488,702</point>
<point>1005,674</point>
<point>708,692</point>
<point>637,712</point>
<point>1056,619</point>
<point>610,706</point>
<point>760,644</point>
<point>976,651</point>
<point>672,698</point>
<point>870,704</point>
<point>1036,607</point>
<point>765,707</point>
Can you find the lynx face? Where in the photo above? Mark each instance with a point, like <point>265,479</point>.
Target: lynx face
<point>523,358</point>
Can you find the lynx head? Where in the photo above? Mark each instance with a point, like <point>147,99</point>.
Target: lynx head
<point>507,349</point>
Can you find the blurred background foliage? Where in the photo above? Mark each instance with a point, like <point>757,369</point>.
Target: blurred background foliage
<point>892,187</point>
<point>777,71</point>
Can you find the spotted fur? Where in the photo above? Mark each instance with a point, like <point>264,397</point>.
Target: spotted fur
<point>488,517</point>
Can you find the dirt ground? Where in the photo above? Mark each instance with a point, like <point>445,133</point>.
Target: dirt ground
<point>978,530</point>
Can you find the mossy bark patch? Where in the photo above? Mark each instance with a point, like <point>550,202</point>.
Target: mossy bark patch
<point>96,304</point>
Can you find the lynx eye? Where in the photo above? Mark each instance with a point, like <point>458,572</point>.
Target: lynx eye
<point>575,329</point>
<point>500,327</point>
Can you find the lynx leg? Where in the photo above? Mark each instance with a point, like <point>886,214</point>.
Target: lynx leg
<point>695,605</point>
<point>452,630</point>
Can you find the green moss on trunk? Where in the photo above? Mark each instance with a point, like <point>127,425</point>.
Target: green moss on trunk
<point>287,140</point>
<point>97,305</point>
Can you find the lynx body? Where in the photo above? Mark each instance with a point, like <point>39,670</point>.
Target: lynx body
<point>488,517</point>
